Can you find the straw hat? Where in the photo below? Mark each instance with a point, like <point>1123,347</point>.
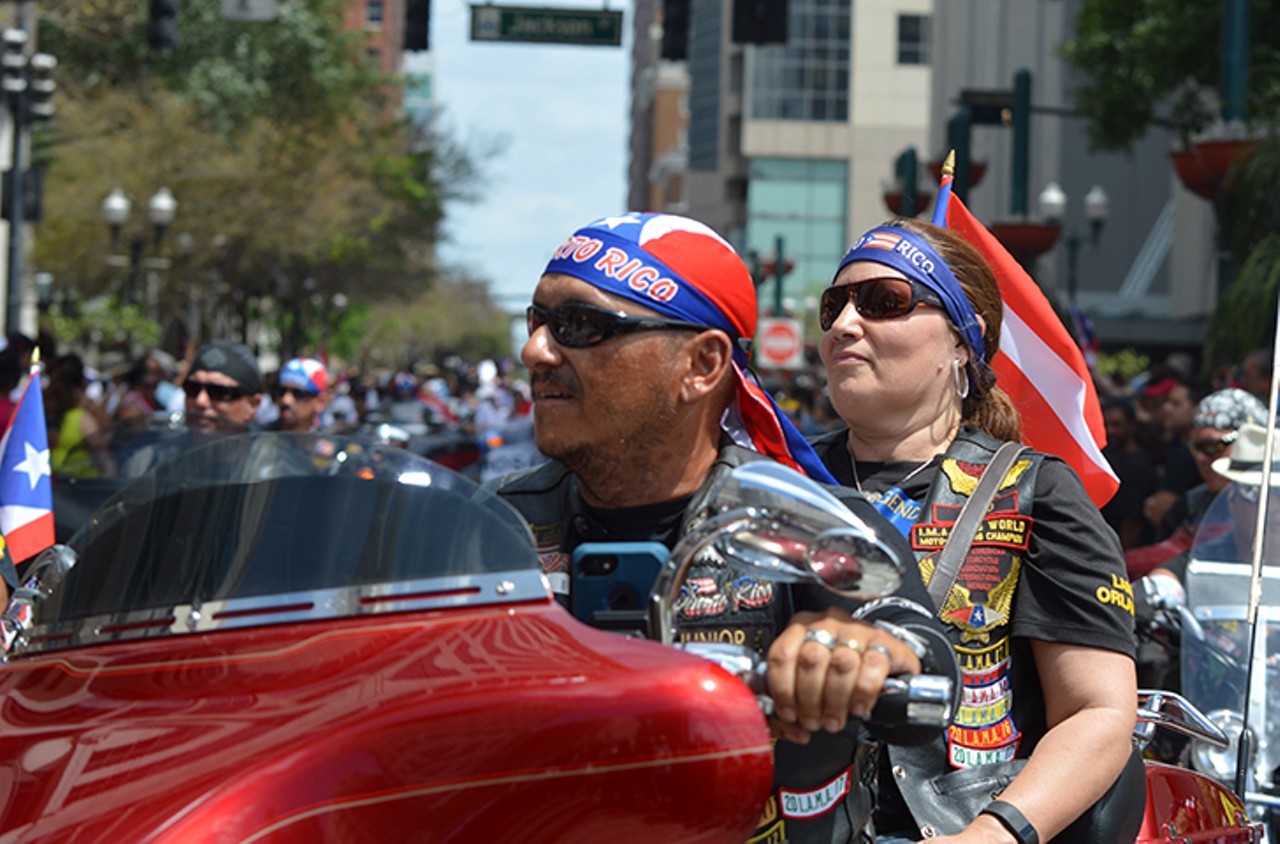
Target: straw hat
<point>1244,464</point>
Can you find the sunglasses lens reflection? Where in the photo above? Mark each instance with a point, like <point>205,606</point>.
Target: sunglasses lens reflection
<point>877,298</point>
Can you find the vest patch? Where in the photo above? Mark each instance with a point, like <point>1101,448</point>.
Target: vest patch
<point>776,834</point>
<point>797,805</point>
<point>978,608</point>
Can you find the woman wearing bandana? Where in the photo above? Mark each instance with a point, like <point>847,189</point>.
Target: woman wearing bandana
<point>1040,611</point>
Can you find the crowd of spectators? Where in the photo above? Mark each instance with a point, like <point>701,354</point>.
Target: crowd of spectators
<point>95,417</point>
<point>1164,427</point>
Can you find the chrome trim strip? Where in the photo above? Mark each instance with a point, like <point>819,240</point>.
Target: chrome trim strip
<point>1235,612</point>
<point>1237,569</point>
<point>438,593</point>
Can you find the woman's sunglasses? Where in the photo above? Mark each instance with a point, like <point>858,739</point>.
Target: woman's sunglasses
<point>1215,447</point>
<point>577,326</point>
<point>217,392</point>
<point>876,298</point>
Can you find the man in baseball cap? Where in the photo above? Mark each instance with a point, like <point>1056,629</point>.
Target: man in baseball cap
<point>301,392</point>
<point>637,357</point>
<point>223,388</point>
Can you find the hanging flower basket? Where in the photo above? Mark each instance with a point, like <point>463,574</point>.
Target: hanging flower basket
<point>1026,240</point>
<point>977,169</point>
<point>1203,169</point>
<point>893,201</point>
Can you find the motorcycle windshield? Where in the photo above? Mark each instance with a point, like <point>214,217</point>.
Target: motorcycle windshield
<point>244,520</point>
<point>1216,637</point>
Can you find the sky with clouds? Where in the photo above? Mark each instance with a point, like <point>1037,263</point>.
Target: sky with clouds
<point>560,114</point>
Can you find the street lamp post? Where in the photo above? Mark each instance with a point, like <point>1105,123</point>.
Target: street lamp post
<point>1097,207</point>
<point>161,210</point>
<point>26,81</point>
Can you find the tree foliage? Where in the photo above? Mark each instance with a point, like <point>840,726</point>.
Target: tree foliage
<point>1158,62</point>
<point>456,316</point>
<point>294,176</point>
<point>1250,208</point>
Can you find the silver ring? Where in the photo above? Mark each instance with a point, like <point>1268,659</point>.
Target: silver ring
<point>884,649</point>
<point>853,644</point>
<point>823,637</point>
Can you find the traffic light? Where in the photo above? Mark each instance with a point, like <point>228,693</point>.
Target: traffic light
<point>906,169</point>
<point>675,30</point>
<point>988,106</point>
<point>162,24</point>
<point>13,62</point>
<point>759,21</point>
<point>41,86</point>
<point>417,25</point>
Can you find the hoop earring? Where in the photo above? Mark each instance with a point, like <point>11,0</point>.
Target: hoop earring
<point>961,381</point>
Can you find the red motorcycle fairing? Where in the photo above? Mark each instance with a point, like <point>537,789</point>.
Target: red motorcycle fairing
<point>1184,806</point>
<point>482,724</point>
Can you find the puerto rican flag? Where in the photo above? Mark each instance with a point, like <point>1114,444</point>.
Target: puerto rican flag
<point>1039,364</point>
<point>26,488</point>
<point>880,240</point>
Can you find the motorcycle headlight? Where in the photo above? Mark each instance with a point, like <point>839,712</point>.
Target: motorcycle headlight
<point>1218,762</point>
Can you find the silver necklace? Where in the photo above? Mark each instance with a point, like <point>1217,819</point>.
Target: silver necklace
<point>853,464</point>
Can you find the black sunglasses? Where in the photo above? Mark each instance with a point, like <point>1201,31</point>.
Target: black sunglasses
<point>1214,448</point>
<point>577,326</point>
<point>298,395</point>
<point>217,392</point>
<point>889,297</point>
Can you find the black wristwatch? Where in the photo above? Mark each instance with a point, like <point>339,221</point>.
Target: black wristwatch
<point>1013,820</point>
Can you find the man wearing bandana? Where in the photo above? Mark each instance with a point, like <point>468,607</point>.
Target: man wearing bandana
<point>637,354</point>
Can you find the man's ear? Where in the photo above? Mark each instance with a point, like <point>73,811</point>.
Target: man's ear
<point>710,362</point>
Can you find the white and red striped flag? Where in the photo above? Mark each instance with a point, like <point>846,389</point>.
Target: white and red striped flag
<point>1039,365</point>
<point>26,491</point>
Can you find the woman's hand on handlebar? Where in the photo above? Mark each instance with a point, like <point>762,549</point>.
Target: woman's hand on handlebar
<point>826,667</point>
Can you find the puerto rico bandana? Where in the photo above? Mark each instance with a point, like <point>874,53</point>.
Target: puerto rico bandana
<point>911,255</point>
<point>305,374</point>
<point>682,269</point>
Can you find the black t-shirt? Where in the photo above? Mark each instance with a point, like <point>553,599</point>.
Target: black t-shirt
<point>1071,588</point>
<point>1180,472</point>
<point>1072,554</point>
<point>1138,480</point>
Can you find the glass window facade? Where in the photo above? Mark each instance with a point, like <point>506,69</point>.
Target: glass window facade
<point>706,31</point>
<point>373,14</point>
<point>808,77</point>
<point>804,202</point>
<point>913,39</point>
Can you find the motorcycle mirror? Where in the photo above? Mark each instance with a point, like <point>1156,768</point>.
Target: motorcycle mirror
<point>804,534</point>
<point>855,564</point>
<point>775,522</point>
<point>45,574</point>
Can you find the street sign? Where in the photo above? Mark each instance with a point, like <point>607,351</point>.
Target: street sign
<point>250,10</point>
<point>533,25</point>
<point>781,344</point>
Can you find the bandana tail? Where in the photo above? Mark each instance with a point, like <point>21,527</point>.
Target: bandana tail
<point>772,434</point>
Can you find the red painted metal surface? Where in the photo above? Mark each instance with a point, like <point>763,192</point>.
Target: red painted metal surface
<point>1185,806</point>
<point>511,723</point>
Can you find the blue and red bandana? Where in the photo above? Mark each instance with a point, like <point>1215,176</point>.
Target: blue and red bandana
<point>305,374</point>
<point>911,255</point>
<point>682,269</point>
